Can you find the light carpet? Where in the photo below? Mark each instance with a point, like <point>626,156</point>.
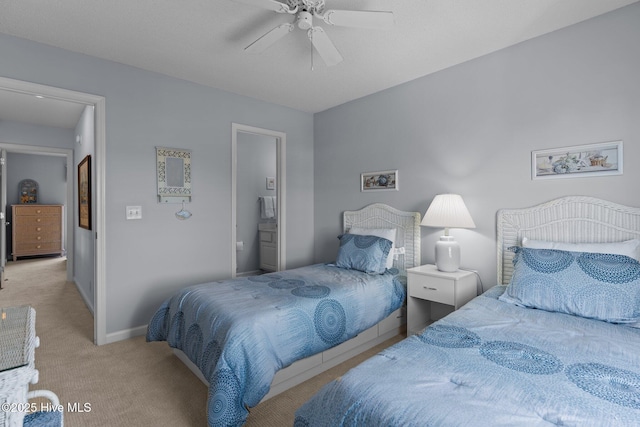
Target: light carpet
<point>131,382</point>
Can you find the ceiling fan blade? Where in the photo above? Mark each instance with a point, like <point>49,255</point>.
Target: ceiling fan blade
<point>273,5</point>
<point>324,46</point>
<point>359,18</point>
<point>270,38</point>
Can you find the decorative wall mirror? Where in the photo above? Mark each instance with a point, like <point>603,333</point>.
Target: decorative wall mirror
<point>173,167</point>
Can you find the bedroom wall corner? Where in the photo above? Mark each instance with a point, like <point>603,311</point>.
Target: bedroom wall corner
<point>470,129</point>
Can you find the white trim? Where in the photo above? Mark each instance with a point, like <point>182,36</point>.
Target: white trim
<point>100,324</point>
<point>281,144</point>
<point>125,334</point>
<point>100,275</point>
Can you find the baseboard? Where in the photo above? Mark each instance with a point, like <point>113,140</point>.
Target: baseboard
<point>125,334</point>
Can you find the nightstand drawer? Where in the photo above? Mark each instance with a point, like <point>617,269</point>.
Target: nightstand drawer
<point>433,289</point>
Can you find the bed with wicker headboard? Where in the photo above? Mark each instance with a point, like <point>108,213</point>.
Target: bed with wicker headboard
<point>251,338</point>
<point>556,342</point>
<point>575,219</point>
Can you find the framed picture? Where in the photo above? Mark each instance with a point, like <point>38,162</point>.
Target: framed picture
<point>28,191</point>
<point>579,161</point>
<point>84,193</point>
<point>379,181</point>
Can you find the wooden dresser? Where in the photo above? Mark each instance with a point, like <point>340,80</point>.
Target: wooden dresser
<point>37,230</point>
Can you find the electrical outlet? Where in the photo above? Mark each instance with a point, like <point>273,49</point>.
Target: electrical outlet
<point>134,212</point>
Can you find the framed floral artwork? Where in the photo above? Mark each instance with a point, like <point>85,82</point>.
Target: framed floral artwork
<point>579,161</point>
<point>379,181</point>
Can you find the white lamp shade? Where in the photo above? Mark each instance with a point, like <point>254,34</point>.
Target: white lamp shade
<point>448,211</point>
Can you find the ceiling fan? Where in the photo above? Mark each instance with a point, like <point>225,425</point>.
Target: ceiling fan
<point>305,11</point>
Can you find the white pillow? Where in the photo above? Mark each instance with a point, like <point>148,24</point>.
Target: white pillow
<point>385,233</point>
<point>630,248</point>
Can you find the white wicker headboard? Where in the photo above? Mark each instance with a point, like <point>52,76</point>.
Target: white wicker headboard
<point>407,224</point>
<point>572,219</point>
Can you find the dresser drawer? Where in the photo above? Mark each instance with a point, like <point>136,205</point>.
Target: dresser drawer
<point>43,236</point>
<point>32,247</point>
<point>37,210</point>
<point>46,221</point>
<point>432,288</point>
<point>33,227</point>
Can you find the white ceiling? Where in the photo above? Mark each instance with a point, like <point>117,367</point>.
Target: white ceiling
<point>203,41</point>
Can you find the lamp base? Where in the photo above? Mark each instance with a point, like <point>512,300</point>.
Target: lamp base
<point>447,254</point>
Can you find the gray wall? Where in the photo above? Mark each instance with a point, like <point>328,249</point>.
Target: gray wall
<point>84,246</point>
<point>147,260</point>
<point>48,171</point>
<point>470,129</point>
<point>44,136</point>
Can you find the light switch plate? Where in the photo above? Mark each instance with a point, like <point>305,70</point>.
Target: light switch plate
<point>134,212</point>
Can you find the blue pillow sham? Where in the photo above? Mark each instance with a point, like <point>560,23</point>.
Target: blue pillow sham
<point>592,285</point>
<point>363,253</point>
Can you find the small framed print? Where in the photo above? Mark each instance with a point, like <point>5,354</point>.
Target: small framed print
<point>379,181</point>
<point>84,193</point>
<point>271,183</point>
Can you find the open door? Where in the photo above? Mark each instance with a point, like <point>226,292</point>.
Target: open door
<point>3,210</point>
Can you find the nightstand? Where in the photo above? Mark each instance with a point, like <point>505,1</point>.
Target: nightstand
<point>426,284</point>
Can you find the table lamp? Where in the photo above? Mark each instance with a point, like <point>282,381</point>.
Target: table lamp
<point>447,211</point>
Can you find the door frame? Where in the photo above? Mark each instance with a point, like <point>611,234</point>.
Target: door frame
<point>281,143</point>
<point>3,213</point>
<point>98,102</point>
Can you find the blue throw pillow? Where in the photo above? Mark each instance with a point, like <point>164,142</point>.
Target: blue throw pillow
<point>363,253</point>
<point>593,285</point>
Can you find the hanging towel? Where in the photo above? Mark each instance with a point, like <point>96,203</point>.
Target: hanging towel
<point>268,207</point>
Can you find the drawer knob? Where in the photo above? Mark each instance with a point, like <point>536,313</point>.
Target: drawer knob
<point>38,247</point>
<point>38,211</point>
<point>38,228</point>
<point>39,237</point>
<point>430,289</point>
<point>38,220</point>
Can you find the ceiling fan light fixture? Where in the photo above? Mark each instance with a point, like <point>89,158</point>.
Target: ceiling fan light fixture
<point>305,10</point>
<point>304,20</point>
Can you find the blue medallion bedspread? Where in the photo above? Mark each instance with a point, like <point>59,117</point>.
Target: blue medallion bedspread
<point>492,363</point>
<point>239,332</point>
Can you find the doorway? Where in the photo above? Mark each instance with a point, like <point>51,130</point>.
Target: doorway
<point>60,186</point>
<point>254,185</point>
<point>98,102</point>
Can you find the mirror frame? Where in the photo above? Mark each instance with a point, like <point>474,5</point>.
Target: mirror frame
<point>281,142</point>
<point>166,193</point>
